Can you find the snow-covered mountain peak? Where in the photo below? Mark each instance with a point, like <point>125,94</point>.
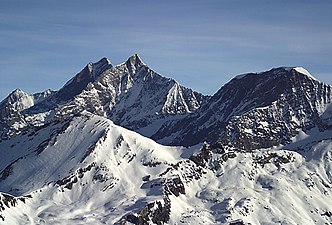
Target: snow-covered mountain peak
<point>263,153</point>
<point>305,72</point>
<point>133,63</point>
<point>299,70</point>
<point>135,59</point>
<point>24,100</point>
<point>18,92</point>
<point>279,71</point>
<point>18,99</point>
<point>283,99</point>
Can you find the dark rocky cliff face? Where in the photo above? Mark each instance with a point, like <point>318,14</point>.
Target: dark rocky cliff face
<point>73,87</point>
<point>300,107</point>
<point>251,111</point>
<point>256,110</point>
<point>130,94</point>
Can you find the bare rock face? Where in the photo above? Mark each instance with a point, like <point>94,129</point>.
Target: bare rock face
<point>130,94</point>
<point>257,110</point>
<point>254,110</point>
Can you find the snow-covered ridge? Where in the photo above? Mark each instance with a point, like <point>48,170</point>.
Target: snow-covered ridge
<point>300,70</point>
<point>86,170</point>
<point>266,159</point>
<point>240,76</point>
<point>305,72</point>
<point>19,100</point>
<point>297,69</point>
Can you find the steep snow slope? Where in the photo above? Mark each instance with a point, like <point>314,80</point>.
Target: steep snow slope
<point>85,164</point>
<point>86,170</point>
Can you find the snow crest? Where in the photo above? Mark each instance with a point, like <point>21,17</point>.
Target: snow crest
<point>305,72</point>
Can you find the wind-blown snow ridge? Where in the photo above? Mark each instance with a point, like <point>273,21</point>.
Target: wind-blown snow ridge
<point>298,69</point>
<point>240,76</point>
<point>305,72</point>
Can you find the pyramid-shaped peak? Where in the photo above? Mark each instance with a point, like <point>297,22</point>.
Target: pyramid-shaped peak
<point>135,60</point>
<point>18,92</point>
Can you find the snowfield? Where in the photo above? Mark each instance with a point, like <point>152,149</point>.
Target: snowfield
<point>98,151</point>
<point>91,171</point>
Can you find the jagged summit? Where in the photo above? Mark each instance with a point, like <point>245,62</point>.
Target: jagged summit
<point>99,67</point>
<point>136,97</point>
<point>17,92</point>
<point>18,100</point>
<point>13,96</point>
<point>133,63</point>
<point>90,73</point>
<point>131,94</point>
<point>135,60</point>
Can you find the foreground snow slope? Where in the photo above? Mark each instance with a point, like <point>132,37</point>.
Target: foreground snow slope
<point>86,170</point>
<point>81,165</point>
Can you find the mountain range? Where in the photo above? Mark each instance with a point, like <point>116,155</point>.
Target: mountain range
<point>124,145</point>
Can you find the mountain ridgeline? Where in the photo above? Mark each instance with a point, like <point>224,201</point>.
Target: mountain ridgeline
<point>259,151</point>
<point>257,110</point>
<point>254,110</point>
<point>130,94</point>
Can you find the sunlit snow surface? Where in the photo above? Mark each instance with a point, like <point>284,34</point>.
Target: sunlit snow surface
<point>69,166</point>
<point>304,71</point>
<point>89,171</point>
<point>298,69</point>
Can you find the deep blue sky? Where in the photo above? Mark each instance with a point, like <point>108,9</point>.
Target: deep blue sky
<point>202,44</point>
